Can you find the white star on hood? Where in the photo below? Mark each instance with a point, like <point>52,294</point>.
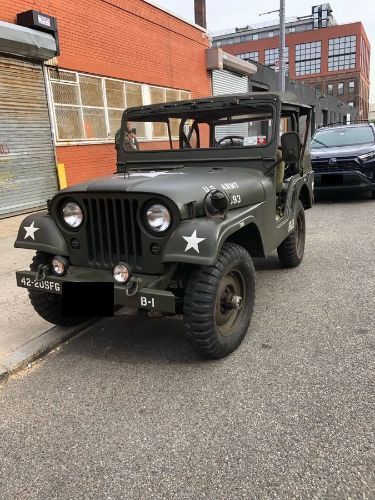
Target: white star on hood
<point>30,230</point>
<point>193,241</point>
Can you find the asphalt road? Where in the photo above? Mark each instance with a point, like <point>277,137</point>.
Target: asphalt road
<point>127,410</point>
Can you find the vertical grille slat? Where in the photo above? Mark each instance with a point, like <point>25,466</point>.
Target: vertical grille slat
<point>109,228</point>
<point>112,231</point>
<point>134,240</point>
<point>117,234</point>
<point>123,210</point>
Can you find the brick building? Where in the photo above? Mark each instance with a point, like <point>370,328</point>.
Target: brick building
<point>66,109</point>
<point>333,58</point>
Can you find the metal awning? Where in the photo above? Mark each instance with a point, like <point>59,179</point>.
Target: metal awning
<point>217,59</point>
<point>26,42</point>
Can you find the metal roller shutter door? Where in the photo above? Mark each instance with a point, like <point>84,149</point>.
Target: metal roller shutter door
<point>27,161</point>
<point>225,82</point>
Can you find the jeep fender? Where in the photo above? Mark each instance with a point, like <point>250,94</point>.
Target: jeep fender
<point>199,241</point>
<point>39,232</point>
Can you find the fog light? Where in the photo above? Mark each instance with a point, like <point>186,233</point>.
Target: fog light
<point>121,273</point>
<point>59,265</point>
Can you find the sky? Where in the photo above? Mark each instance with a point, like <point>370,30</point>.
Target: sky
<point>224,14</point>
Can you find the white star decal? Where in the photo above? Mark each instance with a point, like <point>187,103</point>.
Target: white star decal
<point>30,231</point>
<point>193,241</point>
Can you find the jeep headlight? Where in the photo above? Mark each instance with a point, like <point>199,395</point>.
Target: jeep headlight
<point>72,214</point>
<point>367,156</point>
<point>158,217</point>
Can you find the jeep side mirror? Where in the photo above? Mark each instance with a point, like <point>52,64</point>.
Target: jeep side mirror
<point>290,147</point>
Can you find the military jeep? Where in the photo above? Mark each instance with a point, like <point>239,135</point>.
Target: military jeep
<point>174,229</point>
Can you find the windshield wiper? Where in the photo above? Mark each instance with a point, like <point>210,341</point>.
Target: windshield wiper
<point>320,142</point>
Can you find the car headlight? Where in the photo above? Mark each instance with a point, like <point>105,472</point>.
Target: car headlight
<point>368,156</point>
<point>158,217</point>
<point>72,214</point>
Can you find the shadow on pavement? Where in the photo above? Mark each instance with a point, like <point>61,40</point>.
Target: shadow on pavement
<point>135,340</point>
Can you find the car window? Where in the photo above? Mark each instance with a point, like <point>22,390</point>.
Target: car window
<point>343,136</point>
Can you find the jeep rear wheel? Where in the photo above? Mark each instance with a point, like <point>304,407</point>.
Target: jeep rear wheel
<point>219,303</point>
<point>49,305</point>
<point>291,250</point>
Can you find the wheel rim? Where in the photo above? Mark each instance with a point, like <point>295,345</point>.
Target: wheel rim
<point>300,235</point>
<point>230,302</point>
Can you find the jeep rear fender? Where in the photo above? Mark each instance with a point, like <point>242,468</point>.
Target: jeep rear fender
<point>199,241</point>
<point>39,232</point>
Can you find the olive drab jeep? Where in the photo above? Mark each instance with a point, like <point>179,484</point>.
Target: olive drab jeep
<point>173,231</point>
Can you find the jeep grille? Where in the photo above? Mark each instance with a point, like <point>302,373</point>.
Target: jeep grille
<point>112,232</point>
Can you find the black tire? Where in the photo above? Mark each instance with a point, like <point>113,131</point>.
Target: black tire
<point>49,305</point>
<point>291,250</point>
<point>212,327</point>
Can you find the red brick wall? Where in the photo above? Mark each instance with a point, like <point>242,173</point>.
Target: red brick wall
<point>127,39</point>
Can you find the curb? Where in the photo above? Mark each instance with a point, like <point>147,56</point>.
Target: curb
<point>37,347</point>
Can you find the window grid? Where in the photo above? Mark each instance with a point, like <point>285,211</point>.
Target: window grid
<point>89,108</point>
<point>246,56</point>
<point>342,52</point>
<point>308,58</point>
<point>272,55</point>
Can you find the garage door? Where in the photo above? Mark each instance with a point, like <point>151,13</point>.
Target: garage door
<point>27,162</point>
<point>225,82</point>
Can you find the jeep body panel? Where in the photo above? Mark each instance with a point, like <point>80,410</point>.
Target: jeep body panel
<point>44,235</point>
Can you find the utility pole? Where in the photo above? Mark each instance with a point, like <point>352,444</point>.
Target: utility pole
<point>282,46</point>
<point>281,11</point>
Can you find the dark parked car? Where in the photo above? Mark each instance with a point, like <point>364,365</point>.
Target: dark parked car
<point>343,157</point>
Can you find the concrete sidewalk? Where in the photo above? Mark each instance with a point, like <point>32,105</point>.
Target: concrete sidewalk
<point>24,335</point>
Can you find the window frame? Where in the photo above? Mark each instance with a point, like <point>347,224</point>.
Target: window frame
<point>145,89</point>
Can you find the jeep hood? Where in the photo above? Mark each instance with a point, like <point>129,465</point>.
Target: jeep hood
<point>182,184</point>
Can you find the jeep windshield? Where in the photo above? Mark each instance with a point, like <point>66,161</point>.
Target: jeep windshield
<point>192,126</point>
<point>343,136</point>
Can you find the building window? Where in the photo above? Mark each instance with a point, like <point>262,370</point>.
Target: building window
<point>247,56</point>
<point>351,87</point>
<point>340,88</point>
<point>308,58</point>
<point>89,108</point>
<point>341,53</point>
<point>272,55</point>
<point>330,89</point>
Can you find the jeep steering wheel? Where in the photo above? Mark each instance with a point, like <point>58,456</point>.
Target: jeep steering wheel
<point>230,138</point>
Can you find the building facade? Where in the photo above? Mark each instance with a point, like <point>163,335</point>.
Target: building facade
<point>334,59</point>
<point>64,105</point>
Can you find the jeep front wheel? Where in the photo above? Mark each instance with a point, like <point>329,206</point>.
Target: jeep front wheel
<point>291,250</point>
<point>219,302</point>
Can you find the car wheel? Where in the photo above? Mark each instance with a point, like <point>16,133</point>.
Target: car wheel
<point>219,302</point>
<point>49,305</point>
<point>291,250</point>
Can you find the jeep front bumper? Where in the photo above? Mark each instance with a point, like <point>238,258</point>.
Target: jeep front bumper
<point>146,297</point>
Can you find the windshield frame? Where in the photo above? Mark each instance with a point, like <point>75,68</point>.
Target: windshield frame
<point>172,110</point>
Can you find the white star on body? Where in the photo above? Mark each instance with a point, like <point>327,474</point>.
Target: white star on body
<point>193,241</point>
<point>30,230</point>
